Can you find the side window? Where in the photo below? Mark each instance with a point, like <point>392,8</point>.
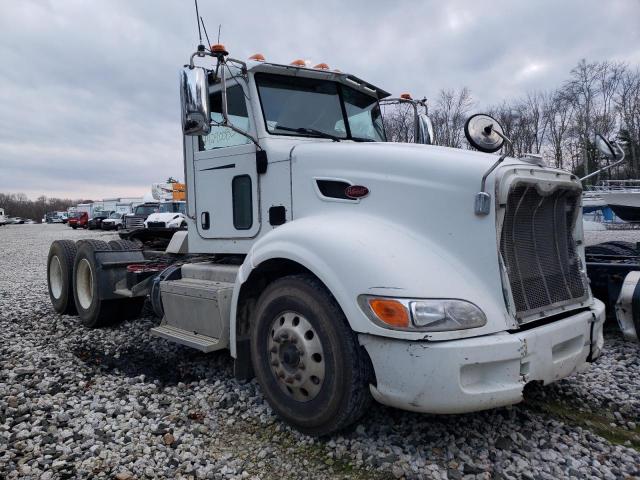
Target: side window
<point>242,202</point>
<point>237,110</point>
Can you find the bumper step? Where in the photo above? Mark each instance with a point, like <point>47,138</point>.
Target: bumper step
<point>190,339</point>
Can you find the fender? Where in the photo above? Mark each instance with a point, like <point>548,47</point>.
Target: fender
<point>354,254</point>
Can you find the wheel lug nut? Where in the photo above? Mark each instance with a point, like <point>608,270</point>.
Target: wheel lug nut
<point>281,374</point>
<point>274,350</point>
<point>289,380</point>
<point>275,363</point>
<point>298,376</point>
<point>294,340</point>
<point>301,366</point>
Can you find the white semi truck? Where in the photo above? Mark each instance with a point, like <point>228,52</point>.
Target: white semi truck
<point>337,267</point>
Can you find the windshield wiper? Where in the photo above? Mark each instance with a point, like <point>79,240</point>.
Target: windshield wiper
<point>361,139</point>
<point>311,131</point>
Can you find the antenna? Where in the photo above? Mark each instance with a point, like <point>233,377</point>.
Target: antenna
<point>201,46</point>
<point>219,27</point>
<point>205,32</point>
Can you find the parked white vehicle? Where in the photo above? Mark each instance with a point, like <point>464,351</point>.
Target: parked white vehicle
<point>3,218</point>
<point>114,222</point>
<point>337,267</point>
<point>169,215</point>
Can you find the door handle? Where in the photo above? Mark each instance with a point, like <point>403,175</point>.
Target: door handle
<point>204,220</point>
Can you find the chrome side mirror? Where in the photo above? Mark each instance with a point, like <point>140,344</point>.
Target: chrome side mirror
<point>194,99</point>
<point>613,151</point>
<point>484,133</point>
<point>425,130</point>
<point>606,148</point>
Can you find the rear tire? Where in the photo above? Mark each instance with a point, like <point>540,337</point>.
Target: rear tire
<point>123,245</point>
<point>307,359</point>
<point>93,311</point>
<point>74,226</point>
<point>60,262</point>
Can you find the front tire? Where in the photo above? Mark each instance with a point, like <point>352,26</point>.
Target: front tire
<point>60,261</point>
<point>307,359</point>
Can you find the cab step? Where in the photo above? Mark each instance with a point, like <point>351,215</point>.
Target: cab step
<point>190,339</point>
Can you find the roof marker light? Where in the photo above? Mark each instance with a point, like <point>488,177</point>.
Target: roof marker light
<point>219,49</point>
<point>322,66</point>
<point>258,57</point>
<point>298,63</point>
<point>406,96</point>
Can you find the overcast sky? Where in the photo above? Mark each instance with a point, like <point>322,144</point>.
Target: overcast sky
<point>89,103</point>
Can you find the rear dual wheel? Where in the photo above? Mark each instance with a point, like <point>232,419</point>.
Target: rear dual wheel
<point>73,284</point>
<point>92,309</point>
<point>60,276</point>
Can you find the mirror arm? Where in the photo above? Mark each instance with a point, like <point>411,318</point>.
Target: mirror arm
<point>482,204</point>
<point>604,168</point>
<point>225,112</point>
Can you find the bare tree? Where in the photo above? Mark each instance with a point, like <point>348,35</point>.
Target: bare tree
<point>449,115</point>
<point>559,114</point>
<point>628,105</point>
<point>399,122</point>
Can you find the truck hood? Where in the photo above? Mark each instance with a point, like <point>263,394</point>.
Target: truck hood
<point>164,217</point>
<point>415,235</point>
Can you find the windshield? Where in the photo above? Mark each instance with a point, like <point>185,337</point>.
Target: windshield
<point>146,209</point>
<point>172,207</point>
<point>115,215</point>
<point>317,108</point>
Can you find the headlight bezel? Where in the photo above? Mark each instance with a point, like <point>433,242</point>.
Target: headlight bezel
<point>411,305</point>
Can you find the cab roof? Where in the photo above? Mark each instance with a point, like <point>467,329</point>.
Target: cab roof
<point>336,76</point>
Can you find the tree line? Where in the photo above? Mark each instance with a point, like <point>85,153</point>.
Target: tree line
<point>19,205</point>
<point>601,97</point>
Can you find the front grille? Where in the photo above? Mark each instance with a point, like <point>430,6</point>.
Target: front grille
<point>133,222</point>
<point>156,224</point>
<point>538,249</point>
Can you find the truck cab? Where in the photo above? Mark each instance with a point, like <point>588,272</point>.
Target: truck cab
<point>338,267</point>
<point>140,213</point>
<point>169,215</point>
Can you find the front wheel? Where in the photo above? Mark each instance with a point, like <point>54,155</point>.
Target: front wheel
<point>307,359</point>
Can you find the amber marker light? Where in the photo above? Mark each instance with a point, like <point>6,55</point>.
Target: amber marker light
<point>406,96</point>
<point>391,312</point>
<point>298,63</point>
<point>258,57</point>
<point>219,48</point>
<point>322,66</point>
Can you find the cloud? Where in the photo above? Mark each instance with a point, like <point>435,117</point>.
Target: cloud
<point>88,90</point>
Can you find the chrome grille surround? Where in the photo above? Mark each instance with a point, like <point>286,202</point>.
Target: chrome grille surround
<point>131,223</point>
<point>538,248</point>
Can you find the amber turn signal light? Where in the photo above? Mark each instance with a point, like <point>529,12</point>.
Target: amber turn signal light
<point>298,63</point>
<point>258,57</point>
<point>391,312</point>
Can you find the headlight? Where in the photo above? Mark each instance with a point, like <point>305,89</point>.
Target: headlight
<point>444,315</point>
<point>424,315</point>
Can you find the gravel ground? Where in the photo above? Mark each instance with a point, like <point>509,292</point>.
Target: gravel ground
<point>117,403</point>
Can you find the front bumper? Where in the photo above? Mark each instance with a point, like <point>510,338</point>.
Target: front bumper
<point>485,372</point>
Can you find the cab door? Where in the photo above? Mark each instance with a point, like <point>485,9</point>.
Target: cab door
<point>226,181</point>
